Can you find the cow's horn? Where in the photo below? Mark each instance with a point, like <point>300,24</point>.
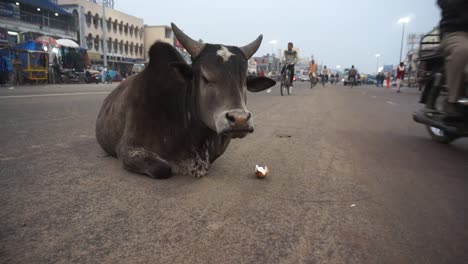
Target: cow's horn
<point>193,47</point>
<point>250,49</point>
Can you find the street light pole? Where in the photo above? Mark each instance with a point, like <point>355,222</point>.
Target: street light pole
<point>402,39</point>
<point>273,47</point>
<point>378,57</point>
<point>104,38</point>
<point>404,21</point>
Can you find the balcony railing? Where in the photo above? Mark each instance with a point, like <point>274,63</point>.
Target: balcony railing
<point>47,21</point>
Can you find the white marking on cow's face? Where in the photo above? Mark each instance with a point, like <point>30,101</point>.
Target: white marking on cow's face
<point>224,53</point>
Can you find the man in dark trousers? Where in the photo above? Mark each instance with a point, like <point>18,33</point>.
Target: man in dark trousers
<point>454,32</point>
<point>3,71</point>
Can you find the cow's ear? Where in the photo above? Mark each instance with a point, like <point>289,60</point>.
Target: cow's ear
<point>258,84</point>
<point>183,69</point>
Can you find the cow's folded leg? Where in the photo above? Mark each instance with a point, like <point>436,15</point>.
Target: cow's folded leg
<point>145,162</point>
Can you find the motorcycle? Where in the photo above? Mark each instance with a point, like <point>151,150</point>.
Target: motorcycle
<point>431,78</point>
<point>92,77</point>
<point>70,76</point>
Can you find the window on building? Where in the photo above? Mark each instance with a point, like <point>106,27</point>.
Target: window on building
<point>126,29</point>
<point>131,48</point>
<point>141,50</point>
<point>109,24</point>
<point>131,30</point>
<point>89,18</point>
<point>109,45</point>
<point>76,18</point>
<point>121,27</point>
<point>89,41</point>
<point>114,25</point>
<point>96,21</point>
<point>167,33</point>
<point>116,46</point>
<point>126,47</point>
<point>141,33</point>
<point>97,40</point>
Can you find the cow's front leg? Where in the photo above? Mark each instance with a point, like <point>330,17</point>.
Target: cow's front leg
<point>139,160</point>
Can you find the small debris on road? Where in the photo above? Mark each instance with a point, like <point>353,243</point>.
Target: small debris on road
<point>353,205</point>
<point>261,172</point>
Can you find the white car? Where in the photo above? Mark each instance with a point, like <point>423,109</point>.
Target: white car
<point>304,76</point>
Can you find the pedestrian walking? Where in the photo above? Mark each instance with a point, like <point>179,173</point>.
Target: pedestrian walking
<point>400,75</point>
<point>3,70</point>
<point>380,79</point>
<point>389,76</point>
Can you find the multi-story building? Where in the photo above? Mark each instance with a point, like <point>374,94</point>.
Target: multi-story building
<point>157,33</point>
<point>124,33</point>
<point>25,20</point>
<point>267,63</point>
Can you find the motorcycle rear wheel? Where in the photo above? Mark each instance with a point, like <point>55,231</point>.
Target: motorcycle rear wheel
<point>437,101</point>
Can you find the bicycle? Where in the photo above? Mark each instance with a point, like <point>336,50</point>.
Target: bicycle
<point>324,80</point>
<point>286,81</point>
<point>313,80</point>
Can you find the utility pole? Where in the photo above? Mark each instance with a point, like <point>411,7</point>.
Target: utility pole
<point>104,38</point>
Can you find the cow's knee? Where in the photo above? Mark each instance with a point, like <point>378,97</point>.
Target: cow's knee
<point>145,162</point>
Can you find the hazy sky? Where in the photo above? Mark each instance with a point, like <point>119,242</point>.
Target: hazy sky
<point>337,32</point>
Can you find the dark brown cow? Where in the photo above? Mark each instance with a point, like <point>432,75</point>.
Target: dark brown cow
<point>179,118</point>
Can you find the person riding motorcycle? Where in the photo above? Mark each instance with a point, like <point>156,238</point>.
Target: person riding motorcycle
<point>454,33</point>
<point>290,58</point>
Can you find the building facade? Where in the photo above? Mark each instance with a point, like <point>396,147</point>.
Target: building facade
<point>25,20</point>
<point>157,33</point>
<point>124,34</point>
<point>267,63</point>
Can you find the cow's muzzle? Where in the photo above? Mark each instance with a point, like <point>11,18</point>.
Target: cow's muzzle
<point>236,123</point>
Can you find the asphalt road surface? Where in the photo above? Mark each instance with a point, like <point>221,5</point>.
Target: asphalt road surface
<point>353,180</point>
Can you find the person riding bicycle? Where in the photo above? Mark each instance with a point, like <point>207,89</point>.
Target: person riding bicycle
<point>290,58</point>
<point>325,73</point>
<point>454,33</point>
<point>313,69</point>
<point>352,74</point>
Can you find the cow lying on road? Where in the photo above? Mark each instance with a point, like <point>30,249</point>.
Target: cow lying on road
<point>179,118</point>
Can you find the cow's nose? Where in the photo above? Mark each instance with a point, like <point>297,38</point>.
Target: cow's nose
<point>239,119</point>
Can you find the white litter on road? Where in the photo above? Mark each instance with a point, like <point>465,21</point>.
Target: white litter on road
<point>353,205</point>
<point>390,102</point>
<point>260,169</point>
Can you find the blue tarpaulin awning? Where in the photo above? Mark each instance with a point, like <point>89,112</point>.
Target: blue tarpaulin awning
<point>44,4</point>
<point>30,45</point>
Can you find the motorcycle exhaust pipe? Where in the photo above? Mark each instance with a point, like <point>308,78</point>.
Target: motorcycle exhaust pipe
<point>420,117</point>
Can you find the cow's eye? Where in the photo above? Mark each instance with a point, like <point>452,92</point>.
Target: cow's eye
<point>205,80</point>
